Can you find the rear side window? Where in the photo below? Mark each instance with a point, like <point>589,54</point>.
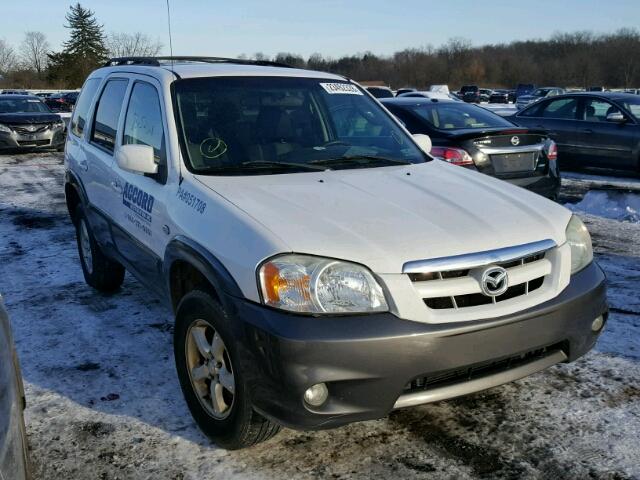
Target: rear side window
<point>143,123</point>
<point>81,111</point>
<point>105,123</point>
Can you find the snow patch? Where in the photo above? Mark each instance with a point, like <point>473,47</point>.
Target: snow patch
<point>616,205</point>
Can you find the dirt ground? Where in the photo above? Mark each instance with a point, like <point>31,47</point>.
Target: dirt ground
<point>104,401</point>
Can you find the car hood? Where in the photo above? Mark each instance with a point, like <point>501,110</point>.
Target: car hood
<point>385,217</point>
<point>28,118</point>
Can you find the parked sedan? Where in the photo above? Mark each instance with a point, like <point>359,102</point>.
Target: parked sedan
<point>499,96</point>
<point>470,93</point>
<point>14,92</point>
<point>61,102</point>
<point>380,92</point>
<point>26,122</point>
<point>13,442</point>
<point>473,137</point>
<point>485,94</point>
<point>592,129</point>
<point>429,94</point>
<point>538,94</point>
<point>400,91</point>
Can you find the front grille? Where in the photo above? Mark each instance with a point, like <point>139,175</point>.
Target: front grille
<point>477,299</point>
<point>460,288</point>
<point>34,143</point>
<point>479,370</point>
<point>24,130</point>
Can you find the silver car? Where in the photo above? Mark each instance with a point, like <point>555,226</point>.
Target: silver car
<point>27,123</point>
<point>14,463</point>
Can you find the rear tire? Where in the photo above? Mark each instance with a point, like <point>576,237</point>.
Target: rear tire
<point>99,271</point>
<point>225,415</point>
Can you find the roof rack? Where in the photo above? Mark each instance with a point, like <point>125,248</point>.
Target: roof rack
<point>157,61</point>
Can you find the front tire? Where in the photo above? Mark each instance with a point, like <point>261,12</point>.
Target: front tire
<point>99,271</point>
<point>209,369</point>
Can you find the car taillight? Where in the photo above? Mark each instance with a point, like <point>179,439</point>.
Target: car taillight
<point>457,156</point>
<point>552,150</point>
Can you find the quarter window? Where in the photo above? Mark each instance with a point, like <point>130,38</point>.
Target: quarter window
<point>143,123</point>
<point>81,109</point>
<point>105,124</point>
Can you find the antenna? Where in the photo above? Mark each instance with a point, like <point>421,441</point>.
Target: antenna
<point>170,42</point>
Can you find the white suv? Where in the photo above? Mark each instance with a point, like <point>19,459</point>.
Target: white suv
<point>322,267</point>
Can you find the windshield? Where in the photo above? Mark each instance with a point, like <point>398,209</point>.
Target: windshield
<point>633,106</point>
<point>264,125</point>
<point>22,105</point>
<point>469,88</point>
<point>455,116</point>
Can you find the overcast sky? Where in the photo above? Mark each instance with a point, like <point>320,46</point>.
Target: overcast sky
<point>330,27</point>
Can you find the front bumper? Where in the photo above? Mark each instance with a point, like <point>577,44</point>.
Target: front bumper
<point>368,360</point>
<point>50,138</point>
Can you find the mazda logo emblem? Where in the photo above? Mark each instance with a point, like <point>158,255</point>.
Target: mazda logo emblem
<point>494,281</point>
<point>515,141</point>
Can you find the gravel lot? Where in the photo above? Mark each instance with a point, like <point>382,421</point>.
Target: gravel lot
<point>104,401</point>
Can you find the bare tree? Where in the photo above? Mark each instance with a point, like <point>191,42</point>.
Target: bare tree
<point>33,51</point>
<point>132,45</point>
<point>7,57</point>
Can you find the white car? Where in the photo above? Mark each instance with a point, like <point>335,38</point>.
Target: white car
<point>429,94</point>
<point>440,89</point>
<point>322,267</point>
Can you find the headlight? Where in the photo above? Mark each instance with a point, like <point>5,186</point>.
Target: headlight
<point>579,240</point>
<point>4,128</point>
<point>302,283</point>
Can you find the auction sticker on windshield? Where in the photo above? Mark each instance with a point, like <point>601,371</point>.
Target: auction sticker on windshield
<point>343,88</point>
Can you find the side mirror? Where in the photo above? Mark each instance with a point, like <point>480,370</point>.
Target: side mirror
<point>616,117</point>
<point>136,159</point>
<point>423,141</point>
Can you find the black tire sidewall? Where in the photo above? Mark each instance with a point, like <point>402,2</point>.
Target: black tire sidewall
<point>80,218</point>
<point>229,432</point>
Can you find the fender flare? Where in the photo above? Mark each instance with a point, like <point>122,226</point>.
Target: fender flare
<point>185,249</point>
<point>72,179</point>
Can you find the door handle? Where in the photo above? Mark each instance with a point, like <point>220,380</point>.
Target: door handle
<point>83,164</point>
<point>117,186</point>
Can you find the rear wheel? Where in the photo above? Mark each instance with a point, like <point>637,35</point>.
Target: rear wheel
<point>212,381</point>
<point>99,271</point>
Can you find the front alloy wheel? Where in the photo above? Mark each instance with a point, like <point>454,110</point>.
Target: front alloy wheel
<point>213,380</point>
<point>210,369</point>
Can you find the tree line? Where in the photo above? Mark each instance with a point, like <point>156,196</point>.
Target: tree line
<point>578,59</point>
<point>33,64</point>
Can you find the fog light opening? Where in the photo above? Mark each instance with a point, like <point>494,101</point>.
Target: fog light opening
<point>316,395</point>
<point>597,324</point>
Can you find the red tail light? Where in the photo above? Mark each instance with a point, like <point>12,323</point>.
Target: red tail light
<point>552,150</point>
<point>457,156</point>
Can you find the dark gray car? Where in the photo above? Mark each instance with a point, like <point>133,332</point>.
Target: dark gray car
<point>13,443</point>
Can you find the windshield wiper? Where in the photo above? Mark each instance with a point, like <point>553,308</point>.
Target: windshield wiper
<point>264,164</point>
<point>359,160</point>
<point>289,165</point>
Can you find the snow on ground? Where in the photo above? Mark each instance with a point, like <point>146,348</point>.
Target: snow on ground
<point>104,401</point>
<point>621,206</point>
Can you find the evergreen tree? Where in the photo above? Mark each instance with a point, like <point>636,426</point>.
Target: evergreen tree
<point>83,52</point>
